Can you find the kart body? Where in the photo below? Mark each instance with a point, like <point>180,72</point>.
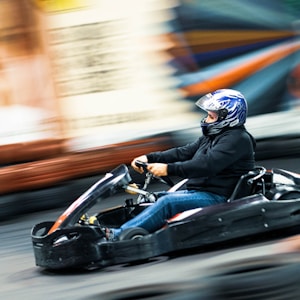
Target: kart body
<point>263,201</point>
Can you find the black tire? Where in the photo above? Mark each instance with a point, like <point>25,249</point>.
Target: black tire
<point>134,233</point>
<point>290,195</point>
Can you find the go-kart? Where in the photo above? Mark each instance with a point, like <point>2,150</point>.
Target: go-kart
<point>263,201</point>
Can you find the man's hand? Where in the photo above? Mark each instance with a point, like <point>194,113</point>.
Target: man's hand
<point>142,158</point>
<point>158,169</point>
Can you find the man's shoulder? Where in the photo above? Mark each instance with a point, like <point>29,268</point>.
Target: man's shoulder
<point>236,133</point>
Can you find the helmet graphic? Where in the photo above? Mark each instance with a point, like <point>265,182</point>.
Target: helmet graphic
<point>230,105</point>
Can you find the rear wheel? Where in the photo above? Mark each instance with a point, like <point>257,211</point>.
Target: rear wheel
<point>290,195</point>
<point>134,233</point>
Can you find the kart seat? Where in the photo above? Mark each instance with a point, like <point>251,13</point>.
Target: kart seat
<point>249,183</point>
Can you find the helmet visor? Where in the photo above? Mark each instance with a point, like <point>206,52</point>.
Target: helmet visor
<point>208,103</point>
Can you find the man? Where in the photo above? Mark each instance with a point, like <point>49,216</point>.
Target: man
<point>213,163</point>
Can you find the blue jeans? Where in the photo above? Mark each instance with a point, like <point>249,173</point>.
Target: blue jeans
<point>168,205</point>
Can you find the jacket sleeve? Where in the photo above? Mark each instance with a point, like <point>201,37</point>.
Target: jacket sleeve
<point>177,154</point>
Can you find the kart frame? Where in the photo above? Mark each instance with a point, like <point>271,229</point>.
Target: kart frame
<point>263,201</point>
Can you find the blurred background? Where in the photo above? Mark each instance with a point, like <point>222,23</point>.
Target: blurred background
<point>85,86</point>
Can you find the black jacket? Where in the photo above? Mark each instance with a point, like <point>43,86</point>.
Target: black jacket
<point>211,163</point>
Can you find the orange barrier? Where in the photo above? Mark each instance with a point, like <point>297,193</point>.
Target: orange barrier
<point>29,151</point>
<point>52,171</point>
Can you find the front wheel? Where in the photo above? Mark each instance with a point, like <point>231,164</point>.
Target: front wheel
<point>134,233</point>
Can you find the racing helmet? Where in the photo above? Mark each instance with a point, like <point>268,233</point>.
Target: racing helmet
<point>230,106</point>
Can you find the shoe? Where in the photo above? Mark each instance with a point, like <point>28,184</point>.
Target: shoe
<point>110,234</point>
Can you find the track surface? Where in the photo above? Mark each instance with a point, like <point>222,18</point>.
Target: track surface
<point>21,279</point>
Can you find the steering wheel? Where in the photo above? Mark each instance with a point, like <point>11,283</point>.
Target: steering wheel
<point>165,179</point>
